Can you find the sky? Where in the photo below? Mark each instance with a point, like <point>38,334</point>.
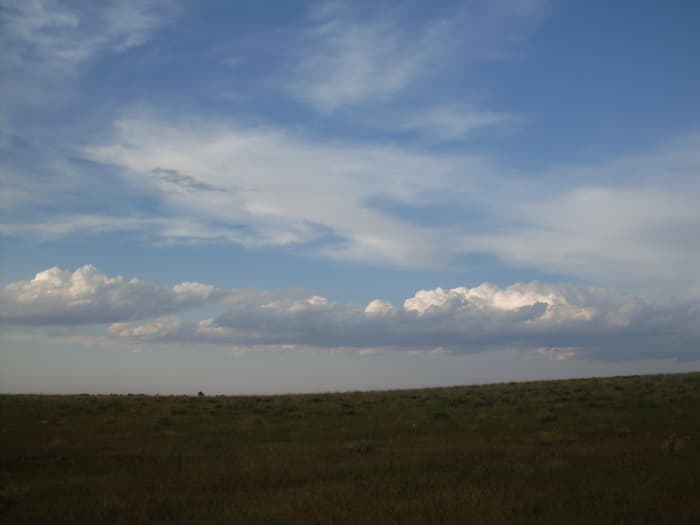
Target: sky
<point>267,197</point>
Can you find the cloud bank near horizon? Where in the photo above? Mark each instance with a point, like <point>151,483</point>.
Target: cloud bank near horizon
<point>557,320</point>
<point>88,296</point>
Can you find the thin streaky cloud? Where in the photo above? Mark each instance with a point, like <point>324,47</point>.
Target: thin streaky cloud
<point>51,35</point>
<point>350,57</point>
<point>617,221</point>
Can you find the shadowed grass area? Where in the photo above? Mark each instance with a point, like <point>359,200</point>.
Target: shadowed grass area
<point>617,450</point>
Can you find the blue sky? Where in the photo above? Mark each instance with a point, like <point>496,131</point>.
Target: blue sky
<point>296,196</point>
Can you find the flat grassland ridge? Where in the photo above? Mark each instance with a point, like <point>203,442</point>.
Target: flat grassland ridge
<point>616,450</point>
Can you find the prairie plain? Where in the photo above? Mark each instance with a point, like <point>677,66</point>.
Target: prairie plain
<point>604,450</point>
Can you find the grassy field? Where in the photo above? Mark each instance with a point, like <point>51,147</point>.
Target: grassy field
<point>619,450</point>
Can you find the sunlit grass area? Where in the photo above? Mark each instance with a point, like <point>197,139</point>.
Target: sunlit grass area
<point>617,450</point>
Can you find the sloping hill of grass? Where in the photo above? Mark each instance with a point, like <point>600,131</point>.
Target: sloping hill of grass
<point>618,450</point>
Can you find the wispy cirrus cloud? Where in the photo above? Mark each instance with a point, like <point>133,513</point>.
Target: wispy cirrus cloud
<point>630,220</point>
<point>285,188</point>
<point>46,44</point>
<point>348,61</point>
<point>453,122</point>
<point>351,56</point>
<point>595,229</point>
<point>156,230</point>
<point>58,36</point>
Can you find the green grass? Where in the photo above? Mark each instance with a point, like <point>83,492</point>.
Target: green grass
<point>619,450</point>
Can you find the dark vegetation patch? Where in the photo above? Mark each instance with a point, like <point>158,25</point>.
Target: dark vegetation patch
<point>617,450</point>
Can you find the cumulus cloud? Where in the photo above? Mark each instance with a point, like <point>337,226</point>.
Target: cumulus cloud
<point>379,307</point>
<point>86,295</point>
<point>557,321</point>
<point>488,297</point>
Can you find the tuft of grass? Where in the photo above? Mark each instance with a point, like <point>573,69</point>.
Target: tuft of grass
<point>674,444</point>
<point>10,494</point>
<point>362,446</point>
<point>547,415</point>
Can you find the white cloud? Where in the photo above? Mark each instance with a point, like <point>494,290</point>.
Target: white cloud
<point>160,230</point>
<point>47,43</point>
<point>56,297</point>
<point>629,222</point>
<point>58,36</point>
<point>89,296</point>
<point>556,321</point>
<point>280,189</point>
<point>646,234</point>
<point>349,61</point>
<point>437,351</point>
<point>453,123</point>
<point>490,297</point>
<point>379,307</point>
<point>350,57</point>
<point>557,353</point>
